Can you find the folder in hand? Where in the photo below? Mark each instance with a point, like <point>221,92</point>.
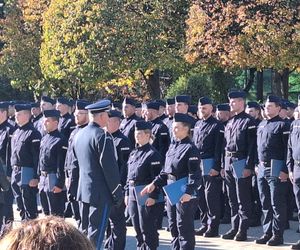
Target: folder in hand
<point>206,165</point>
<point>238,168</point>
<point>276,167</point>
<point>52,179</point>
<point>175,190</point>
<point>26,175</point>
<point>141,200</point>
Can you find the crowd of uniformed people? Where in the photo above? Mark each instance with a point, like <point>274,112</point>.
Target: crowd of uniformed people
<point>82,159</point>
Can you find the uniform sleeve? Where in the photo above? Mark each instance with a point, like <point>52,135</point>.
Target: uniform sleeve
<point>194,173</point>
<point>61,156</point>
<point>251,141</point>
<point>163,141</point>
<point>124,151</point>
<point>8,152</point>
<point>285,139</point>
<point>35,151</point>
<point>110,167</point>
<point>155,164</point>
<point>219,139</point>
<point>289,158</point>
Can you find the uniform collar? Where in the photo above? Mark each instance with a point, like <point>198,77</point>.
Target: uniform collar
<point>240,114</point>
<point>144,147</point>
<point>184,140</point>
<point>25,126</point>
<point>275,118</point>
<point>114,134</point>
<point>209,119</point>
<point>53,132</point>
<point>4,124</point>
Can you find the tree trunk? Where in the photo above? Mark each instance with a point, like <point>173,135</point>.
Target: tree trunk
<point>250,80</point>
<point>260,86</point>
<point>153,85</point>
<point>280,84</point>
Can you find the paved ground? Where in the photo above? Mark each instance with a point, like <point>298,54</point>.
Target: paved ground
<point>290,236</point>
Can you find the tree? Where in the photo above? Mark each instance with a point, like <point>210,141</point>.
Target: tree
<point>247,34</point>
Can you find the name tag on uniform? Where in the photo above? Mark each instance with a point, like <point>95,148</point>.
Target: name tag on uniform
<point>141,200</point>
<point>238,168</point>
<point>276,167</point>
<point>51,179</point>
<point>26,175</point>
<point>206,165</point>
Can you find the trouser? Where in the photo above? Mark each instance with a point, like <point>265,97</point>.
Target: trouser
<point>8,211</point>
<point>213,189</point>
<point>272,193</point>
<point>144,222</point>
<point>94,221</point>
<point>181,224</point>
<point>202,206</point>
<point>296,188</point>
<point>55,202</point>
<point>239,194</point>
<point>25,197</point>
<point>116,229</point>
<point>256,211</point>
<point>225,208</point>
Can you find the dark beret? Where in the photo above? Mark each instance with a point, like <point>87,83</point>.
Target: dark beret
<point>223,107</point>
<point>179,117</point>
<point>48,99</point>
<point>114,113</point>
<point>253,105</point>
<point>273,98</point>
<point>20,107</point>
<point>204,100</point>
<point>152,105</point>
<point>142,125</point>
<point>117,105</point>
<point>193,109</point>
<point>99,106</point>
<point>130,101</point>
<point>51,113</point>
<point>35,105</point>
<point>81,104</point>
<point>183,98</point>
<point>170,101</point>
<point>237,94</point>
<point>63,100</point>
<point>161,102</point>
<point>4,105</point>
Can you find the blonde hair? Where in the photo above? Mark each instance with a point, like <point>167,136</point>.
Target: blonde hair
<point>48,233</point>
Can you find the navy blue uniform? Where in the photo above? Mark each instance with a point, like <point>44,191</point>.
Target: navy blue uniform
<point>293,161</point>
<point>116,233</point>
<point>169,123</point>
<point>51,166</point>
<point>99,180</point>
<point>182,160</point>
<point>144,164</point>
<point>127,127</point>
<point>240,142</point>
<point>72,175</point>
<point>272,138</point>
<point>25,147</point>
<point>208,138</point>
<point>38,124</point>
<point>66,125</point>
<point>6,131</point>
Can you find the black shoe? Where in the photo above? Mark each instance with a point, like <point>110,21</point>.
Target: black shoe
<point>211,233</point>
<point>225,220</point>
<point>275,241</point>
<point>264,239</point>
<point>229,235</point>
<point>201,230</point>
<point>240,236</point>
<point>296,246</point>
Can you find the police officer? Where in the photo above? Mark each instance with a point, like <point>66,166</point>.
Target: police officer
<point>51,165</point>
<point>240,142</point>
<point>182,103</point>
<point>11,113</point>
<point>293,164</point>
<point>130,118</point>
<point>36,113</point>
<point>66,122</point>
<point>162,109</point>
<point>25,145</point>
<point>46,103</point>
<point>6,131</point>
<point>272,138</point>
<point>170,110</point>
<point>223,113</point>
<point>208,138</point>
<point>254,110</point>
<point>71,165</point>
<point>138,109</point>
<point>116,233</point>
<point>143,165</point>
<point>192,111</point>
<point>99,180</point>
<point>182,160</point>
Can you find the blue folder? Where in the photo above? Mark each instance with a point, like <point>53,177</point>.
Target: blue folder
<point>175,190</point>
<point>238,168</point>
<point>52,179</point>
<point>276,167</point>
<point>206,165</point>
<point>26,175</point>
<point>141,200</point>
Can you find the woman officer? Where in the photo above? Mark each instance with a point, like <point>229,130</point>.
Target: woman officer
<point>182,160</point>
<point>144,164</point>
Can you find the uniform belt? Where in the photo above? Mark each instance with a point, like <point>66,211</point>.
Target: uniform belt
<point>171,177</point>
<point>233,154</point>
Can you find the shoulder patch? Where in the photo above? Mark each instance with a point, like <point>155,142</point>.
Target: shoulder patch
<point>155,163</point>
<point>36,140</point>
<point>251,127</point>
<point>127,148</point>
<point>193,158</point>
